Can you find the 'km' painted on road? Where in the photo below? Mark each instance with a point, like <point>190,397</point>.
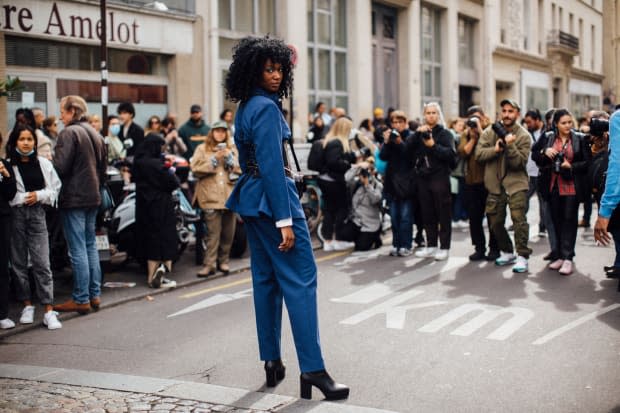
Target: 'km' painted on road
<point>395,308</point>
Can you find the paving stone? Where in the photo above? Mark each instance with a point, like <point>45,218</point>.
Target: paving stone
<point>222,408</point>
<point>186,402</point>
<point>135,407</point>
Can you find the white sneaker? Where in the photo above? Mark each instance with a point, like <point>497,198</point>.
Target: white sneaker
<point>6,324</point>
<point>50,319</point>
<point>328,246</point>
<point>27,315</point>
<point>427,252</point>
<point>505,258</point>
<point>394,252</point>
<point>441,255</point>
<point>168,283</point>
<point>404,252</point>
<point>567,267</point>
<point>343,245</point>
<point>521,265</point>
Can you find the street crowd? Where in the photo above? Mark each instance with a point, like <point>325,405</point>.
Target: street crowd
<point>428,175</point>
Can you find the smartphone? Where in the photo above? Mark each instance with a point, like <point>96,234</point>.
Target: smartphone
<point>220,146</point>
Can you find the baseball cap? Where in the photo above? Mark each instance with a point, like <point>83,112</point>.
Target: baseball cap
<point>510,102</point>
<point>378,112</point>
<point>220,124</point>
<point>195,109</point>
<point>474,109</point>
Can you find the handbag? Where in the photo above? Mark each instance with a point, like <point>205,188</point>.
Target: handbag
<point>298,176</point>
<point>107,202</point>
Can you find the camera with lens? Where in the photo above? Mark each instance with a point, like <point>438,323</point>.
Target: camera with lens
<point>598,127</point>
<point>557,162</point>
<point>394,135</point>
<point>426,135</point>
<point>501,132</point>
<point>364,152</point>
<point>471,122</point>
<point>364,172</point>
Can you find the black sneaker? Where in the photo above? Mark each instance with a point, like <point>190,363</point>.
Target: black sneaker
<point>158,276</point>
<point>549,257</point>
<point>492,255</point>
<point>477,256</point>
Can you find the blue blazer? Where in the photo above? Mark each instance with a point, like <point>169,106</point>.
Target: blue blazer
<point>260,130</point>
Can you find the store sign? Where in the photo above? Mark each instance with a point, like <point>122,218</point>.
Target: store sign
<point>82,22</point>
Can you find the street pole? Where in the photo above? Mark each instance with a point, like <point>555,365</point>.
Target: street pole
<point>104,70</point>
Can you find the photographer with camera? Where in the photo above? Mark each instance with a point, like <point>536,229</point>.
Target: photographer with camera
<point>364,224</point>
<point>504,149</point>
<point>434,155</point>
<point>474,192</point>
<point>398,183</point>
<point>563,161</point>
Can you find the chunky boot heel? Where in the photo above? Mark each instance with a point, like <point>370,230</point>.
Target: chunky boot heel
<point>274,372</point>
<point>322,381</point>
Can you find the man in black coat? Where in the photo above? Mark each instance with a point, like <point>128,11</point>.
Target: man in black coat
<point>132,134</point>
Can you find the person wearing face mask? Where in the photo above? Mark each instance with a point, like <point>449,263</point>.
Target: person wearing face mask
<point>37,184</point>
<point>116,148</point>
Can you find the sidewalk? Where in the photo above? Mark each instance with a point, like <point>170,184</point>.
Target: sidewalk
<point>52,390</point>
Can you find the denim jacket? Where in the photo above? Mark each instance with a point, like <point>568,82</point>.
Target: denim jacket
<point>263,188</point>
<point>611,197</point>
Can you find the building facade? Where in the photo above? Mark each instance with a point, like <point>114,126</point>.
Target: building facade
<point>356,54</point>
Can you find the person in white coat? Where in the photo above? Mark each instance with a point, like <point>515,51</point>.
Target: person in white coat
<point>37,184</point>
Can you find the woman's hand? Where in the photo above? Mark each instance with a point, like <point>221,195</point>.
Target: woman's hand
<point>3,171</point>
<point>565,164</point>
<point>288,239</point>
<point>551,153</point>
<point>31,198</point>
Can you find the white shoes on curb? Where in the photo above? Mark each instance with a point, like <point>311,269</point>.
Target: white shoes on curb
<point>27,316</point>
<point>441,255</point>
<point>336,245</point>
<point>50,319</point>
<point>521,265</point>
<point>6,324</point>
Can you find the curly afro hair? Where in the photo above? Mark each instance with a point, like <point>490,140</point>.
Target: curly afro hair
<point>246,70</point>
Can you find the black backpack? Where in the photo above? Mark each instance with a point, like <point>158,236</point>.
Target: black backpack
<point>316,157</point>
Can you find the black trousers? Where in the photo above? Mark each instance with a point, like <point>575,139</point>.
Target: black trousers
<point>475,197</point>
<point>5,232</point>
<point>564,212</point>
<point>436,202</point>
<point>335,208</point>
<point>364,241</point>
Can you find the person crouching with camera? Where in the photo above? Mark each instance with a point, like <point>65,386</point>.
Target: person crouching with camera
<point>364,224</point>
<point>563,162</point>
<point>504,149</point>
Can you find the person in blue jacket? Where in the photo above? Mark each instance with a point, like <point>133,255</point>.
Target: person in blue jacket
<point>608,215</point>
<point>282,261</point>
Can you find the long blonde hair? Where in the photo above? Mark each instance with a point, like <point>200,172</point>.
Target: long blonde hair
<point>340,130</point>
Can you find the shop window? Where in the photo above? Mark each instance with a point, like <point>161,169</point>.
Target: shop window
<point>431,54</point>
<point>536,98</point>
<point>247,16</point>
<point>466,43</point>
<point>56,55</point>
<point>327,52</point>
<point>118,92</point>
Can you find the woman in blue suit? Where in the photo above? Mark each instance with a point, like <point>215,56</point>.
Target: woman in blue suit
<point>282,261</point>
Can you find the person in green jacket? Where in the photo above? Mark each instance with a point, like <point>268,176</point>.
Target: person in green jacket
<point>194,131</point>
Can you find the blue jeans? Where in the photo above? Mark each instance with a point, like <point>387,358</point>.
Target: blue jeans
<point>79,226</point>
<point>401,214</point>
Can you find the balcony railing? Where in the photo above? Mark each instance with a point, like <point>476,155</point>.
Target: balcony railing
<point>564,41</point>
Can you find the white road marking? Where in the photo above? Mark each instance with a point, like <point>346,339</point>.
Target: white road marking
<point>212,301</point>
<point>520,316</point>
<point>573,324</point>
<point>378,290</point>
<point>394,313</point>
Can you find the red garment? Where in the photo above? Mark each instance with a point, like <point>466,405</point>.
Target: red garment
<point>566,186</point>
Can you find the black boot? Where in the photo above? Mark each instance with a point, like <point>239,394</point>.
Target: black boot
<point>274,372</point>
<point>321,380</point>
<point>477,256</point>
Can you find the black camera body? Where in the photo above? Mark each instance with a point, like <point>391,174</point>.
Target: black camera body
<point>426,135</point>
<point>364,172</point>
<point>471,122</point>
<point>557,162</point>
<point>598,127</point>
<point>501,132</point>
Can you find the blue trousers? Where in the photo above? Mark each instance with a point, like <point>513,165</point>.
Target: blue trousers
<point>401,215</point>
<point>290,276</point>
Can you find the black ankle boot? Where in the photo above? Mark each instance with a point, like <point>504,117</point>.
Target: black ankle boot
<point>274,372</point>
<point>321,380</point>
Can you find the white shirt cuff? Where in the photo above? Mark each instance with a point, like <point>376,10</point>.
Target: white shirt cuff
<point>288,222</point>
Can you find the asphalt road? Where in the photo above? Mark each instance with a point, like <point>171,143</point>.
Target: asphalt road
<point>406,334</point>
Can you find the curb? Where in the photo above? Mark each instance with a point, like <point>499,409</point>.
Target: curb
<point>208,393</point>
